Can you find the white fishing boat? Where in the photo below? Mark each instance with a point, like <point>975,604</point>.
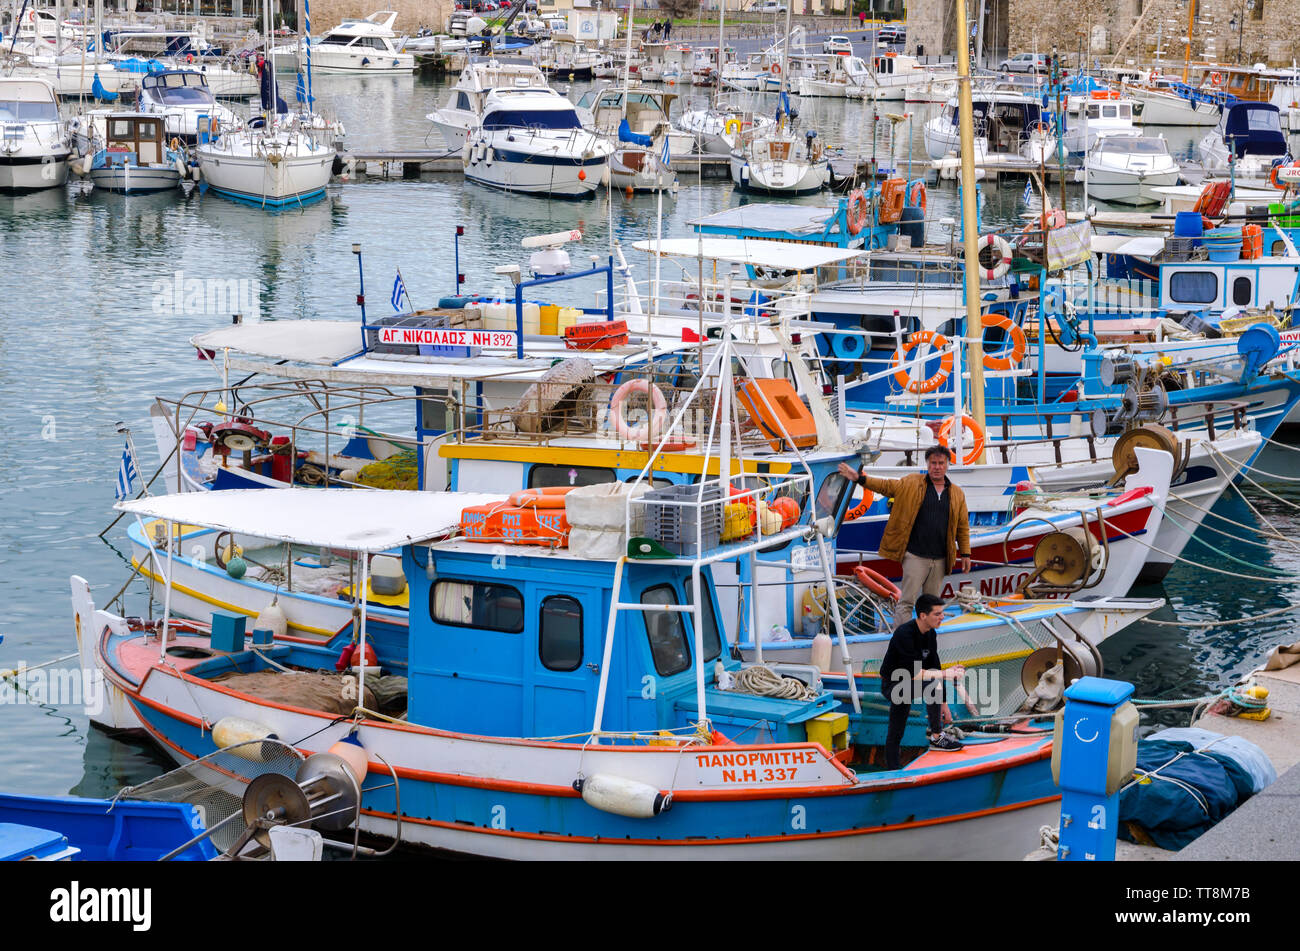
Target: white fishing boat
<point>1099,115</point>
<point>34,145</point>
<point>1127,167</point>
<point>463,111</point>
<point>1167,102</point>
<point>531,140</point>
<point>835,76</point>
<point>362,46</point>
<point>128,153</point>
<point>894,77</point>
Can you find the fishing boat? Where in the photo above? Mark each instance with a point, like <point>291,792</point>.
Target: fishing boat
<point>71,828</point>
<point>128,153</point>
<point>531,140</point>
<point>34,145</point>
<point>840,77</point>
<point>1126,168</point>
<point>1102,113</point>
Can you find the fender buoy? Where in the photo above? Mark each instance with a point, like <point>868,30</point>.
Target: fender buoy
<point>999,244</point>
<point>639,433</point>
<point>859,510</point>
<point>877,583</point>
<point>916,194</point>
<point>1007,358</point>
<point>903,377</point>
<point>967,422</point>
<point>856,212</point>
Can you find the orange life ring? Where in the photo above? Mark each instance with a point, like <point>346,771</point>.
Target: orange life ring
<point>967,422</point>
<point>859,510</point>
<point>1153,77</point>
<point>1005,360</point>
<point>1216,79</point>
<point>938,341</point>
<point>857,211</point>
<point>877,583</point>
<point>550,497</point>
<point>915,196</point>
<point>1274,179</point>
<point>775,69</point>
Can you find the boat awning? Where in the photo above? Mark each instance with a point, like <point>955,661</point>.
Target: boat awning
<point>364,520</point>
<point>785,255</point>
<point>1139,247</point>
<point>305,341</point>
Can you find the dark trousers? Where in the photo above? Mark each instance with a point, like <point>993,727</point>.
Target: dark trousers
<point>898,721</point>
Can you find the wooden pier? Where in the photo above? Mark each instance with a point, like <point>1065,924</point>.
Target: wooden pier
<point>415,163</point>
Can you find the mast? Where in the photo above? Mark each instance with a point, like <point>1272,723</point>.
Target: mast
<point>974,328</point>
<point>1187,50</point>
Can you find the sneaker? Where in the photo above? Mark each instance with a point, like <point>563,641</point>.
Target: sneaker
<point>945,743</point>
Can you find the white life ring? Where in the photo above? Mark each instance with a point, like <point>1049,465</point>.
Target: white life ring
<point>1004,260</point>
<point>639,433</point>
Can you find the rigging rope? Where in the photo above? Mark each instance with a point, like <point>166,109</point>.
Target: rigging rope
<point>765,682</point>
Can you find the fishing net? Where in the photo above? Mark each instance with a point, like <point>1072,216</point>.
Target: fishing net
<point>233,767</point>
<point>398,471</point>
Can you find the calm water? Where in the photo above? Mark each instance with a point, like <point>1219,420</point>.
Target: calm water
<point>88,337</point>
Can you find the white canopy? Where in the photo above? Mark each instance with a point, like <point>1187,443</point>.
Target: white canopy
<point>364,520</point>
<point>786,255</point>
<point>308,341</point>
<point>1139,247</point>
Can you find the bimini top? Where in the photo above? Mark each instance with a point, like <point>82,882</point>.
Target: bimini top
<point>364,520</point>
<point>783,255</point>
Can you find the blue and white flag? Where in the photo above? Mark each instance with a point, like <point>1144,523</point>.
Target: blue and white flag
<point>126,474</point>
<point>1029,191</point>
<point>399,291</point>
<point>667,156</point>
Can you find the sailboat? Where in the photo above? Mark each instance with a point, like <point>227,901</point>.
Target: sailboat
<point>275,160</point>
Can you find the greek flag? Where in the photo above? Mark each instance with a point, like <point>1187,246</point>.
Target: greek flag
<point>1029,191</point>
<point>399,291</point>
<point>126,474</point>
<point>667,156</point>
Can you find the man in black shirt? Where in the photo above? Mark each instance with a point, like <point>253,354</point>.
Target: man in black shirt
<point>911,672</point>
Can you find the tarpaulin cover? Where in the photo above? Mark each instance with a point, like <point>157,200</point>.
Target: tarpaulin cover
<point>1186,797</point>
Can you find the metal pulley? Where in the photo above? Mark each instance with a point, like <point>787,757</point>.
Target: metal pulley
<point>1076,660</point>
<point>1147,436</point>
<point>1143,404</point>
<point>324,794</point>
<point>1066,559</point>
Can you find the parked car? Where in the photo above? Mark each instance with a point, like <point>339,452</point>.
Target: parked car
<point>1024,63</point>
<point>768,6</point>
<point>838,44</point>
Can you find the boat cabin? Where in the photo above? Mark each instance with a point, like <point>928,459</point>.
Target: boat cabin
<point>1253,128</point>
<point>1217,286</point>
<point>137,134</point>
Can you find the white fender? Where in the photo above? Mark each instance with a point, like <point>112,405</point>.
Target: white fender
<point>550,240</point>
<point>230,731</point>
<point>180,166</point>
<point>623,797</point>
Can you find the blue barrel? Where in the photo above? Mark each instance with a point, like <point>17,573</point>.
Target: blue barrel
<point>912,224</point>
<point>1187,224</point>
<point>453,303</point>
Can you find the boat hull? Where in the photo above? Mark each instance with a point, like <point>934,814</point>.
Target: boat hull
<point>133,180</point>
<point>294,181</point>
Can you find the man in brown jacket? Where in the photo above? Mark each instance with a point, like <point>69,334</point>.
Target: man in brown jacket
<point>928,528</point>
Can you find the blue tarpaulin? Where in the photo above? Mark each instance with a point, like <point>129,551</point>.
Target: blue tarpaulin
<point>625,134</point>
<point>1187,792</point>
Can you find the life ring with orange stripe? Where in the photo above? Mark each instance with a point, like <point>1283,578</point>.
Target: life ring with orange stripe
<point>859,510</point>
<point>929,385</point>
<point>967,422</point>
<point>856,212</point>
<point>877,583</point>
<point>1007,358</point>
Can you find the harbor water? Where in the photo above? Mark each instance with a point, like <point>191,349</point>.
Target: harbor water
<point>104,292</point>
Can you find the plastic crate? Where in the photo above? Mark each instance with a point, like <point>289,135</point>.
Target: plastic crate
<point>670,517</point>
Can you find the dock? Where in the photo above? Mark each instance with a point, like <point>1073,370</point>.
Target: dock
<point>415,163</point>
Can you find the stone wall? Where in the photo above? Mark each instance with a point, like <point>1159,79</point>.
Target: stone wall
<point>411,14</point>
<point>1225,31</point>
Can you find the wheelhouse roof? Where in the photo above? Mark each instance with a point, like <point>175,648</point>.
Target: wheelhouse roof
<point>363,520</point>
<point>786,255</point>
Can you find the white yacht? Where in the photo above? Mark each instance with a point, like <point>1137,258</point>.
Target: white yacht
<point>1249,137</point>
<point>717,129</point>
<point>183,98</point>
<point>34,146</point>
<point>1006,123</point>
<point>1126,168</point>
<point>1098,115</point>
<point>1170,102</point>
<point>463,112</point>
<point>839,77</point>
<point>531,140</point>
<point>894,77</point>
<point>362,46</point>
<point>279,164</point>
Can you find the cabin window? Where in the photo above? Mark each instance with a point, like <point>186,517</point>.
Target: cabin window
<point>491,607</point>
<point>1194,287</point>
<point>559,641</point>
<point>462,101</point>
<point>1108,112</point>
<point>121,129</point>
<point>1241,291</point>
<point>712,640</point>
<point>545,477</point>
<point>666,632</point>
<point>830,495</point>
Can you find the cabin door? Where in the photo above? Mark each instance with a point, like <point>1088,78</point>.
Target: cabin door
<point>565,661</point>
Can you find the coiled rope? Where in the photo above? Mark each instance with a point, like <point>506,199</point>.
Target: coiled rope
<point>765,682</point>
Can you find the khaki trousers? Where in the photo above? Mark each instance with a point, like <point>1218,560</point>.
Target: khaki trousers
<point>920,575</point>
